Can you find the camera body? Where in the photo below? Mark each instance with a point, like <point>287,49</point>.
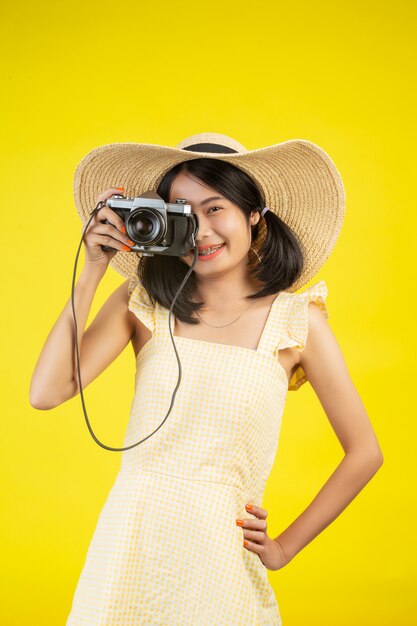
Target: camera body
<point>156,226</point>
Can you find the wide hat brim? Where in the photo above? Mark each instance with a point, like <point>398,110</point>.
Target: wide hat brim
<point>300,182</point>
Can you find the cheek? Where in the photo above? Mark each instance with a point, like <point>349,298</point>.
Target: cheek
<point>236,237</point>
<point>232,232</point>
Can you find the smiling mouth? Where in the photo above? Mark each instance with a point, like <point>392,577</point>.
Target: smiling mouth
<point>212,250</point>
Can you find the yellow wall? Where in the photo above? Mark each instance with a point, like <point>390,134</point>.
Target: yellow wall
<point>80,74</point>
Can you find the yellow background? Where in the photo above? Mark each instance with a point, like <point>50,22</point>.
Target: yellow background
<point>77,75</point>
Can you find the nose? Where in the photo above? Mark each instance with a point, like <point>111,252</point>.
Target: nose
<point>204,231</point>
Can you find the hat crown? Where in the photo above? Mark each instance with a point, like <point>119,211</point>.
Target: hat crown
<point>211,142</point>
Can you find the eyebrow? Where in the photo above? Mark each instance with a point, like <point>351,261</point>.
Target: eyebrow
<point>210,199</point>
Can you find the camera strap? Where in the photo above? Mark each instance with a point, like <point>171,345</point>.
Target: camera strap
<point>93,212</point>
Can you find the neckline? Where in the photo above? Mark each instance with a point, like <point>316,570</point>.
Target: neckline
<point>256,350</point>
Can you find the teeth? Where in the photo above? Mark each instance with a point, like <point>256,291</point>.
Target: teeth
<point>210,250</point>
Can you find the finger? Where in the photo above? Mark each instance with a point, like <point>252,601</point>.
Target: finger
<point>106,213</point>
<point>253,524</point>
<point>105,240</point>
<point>108,229</point>
<point>257,510</point>
<point>105,195</point>
<point>254,535</point>
<point>253,547</point>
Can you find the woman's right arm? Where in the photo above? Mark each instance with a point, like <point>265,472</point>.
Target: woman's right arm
<point>55,378</point>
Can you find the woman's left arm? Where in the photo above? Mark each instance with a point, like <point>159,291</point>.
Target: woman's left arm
<point>324,365</point>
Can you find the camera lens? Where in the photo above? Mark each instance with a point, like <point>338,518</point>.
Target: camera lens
<point>145,226</point>
<point>142,227</point>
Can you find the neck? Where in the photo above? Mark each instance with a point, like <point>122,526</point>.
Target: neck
<point>225,292</point>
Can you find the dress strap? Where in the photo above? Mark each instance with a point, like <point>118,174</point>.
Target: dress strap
<point>162,321</point>
<point>150,313</point>
<point>275,323</point>
<point>287,323</point>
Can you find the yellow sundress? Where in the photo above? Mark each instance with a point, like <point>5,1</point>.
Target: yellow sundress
<point>166,550</point>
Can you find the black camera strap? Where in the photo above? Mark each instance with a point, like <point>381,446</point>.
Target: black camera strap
<point>93,212</point>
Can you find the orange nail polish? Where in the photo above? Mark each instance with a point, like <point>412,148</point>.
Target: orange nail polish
<point>249,507</point>
<point>120,188</point>
<point>126,248</point>
<point>130,242</point>
<point>123,229</point>
<point>239,522</point>
<point>246,543</point>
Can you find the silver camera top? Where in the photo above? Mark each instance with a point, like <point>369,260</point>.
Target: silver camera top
<point>148,199</point>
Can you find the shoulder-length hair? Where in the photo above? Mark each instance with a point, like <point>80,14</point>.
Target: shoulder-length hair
<point>281,254</point>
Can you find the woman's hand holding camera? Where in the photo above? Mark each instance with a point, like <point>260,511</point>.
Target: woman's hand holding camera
<point>100,234</point>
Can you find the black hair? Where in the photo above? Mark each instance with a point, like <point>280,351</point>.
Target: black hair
<point>281,254</point>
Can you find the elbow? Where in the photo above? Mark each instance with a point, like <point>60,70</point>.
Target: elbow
<point>36,397</point>
<point>35,400</point>
<point>42,401</point>
<point>375,459</point>
<point>379,458</point>
<point>371,457</point>
<point>375,455</point>
<point>39,404</point>
<point>376,462</point>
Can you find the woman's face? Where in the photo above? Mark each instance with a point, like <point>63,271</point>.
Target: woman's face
<point>220,221</point>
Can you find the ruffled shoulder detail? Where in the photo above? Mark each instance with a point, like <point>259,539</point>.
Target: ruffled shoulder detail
<point>296,330</point>
<point>133,281</point>
<point>140,303</point>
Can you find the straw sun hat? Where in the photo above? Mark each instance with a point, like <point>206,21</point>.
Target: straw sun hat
<point>299,180</point>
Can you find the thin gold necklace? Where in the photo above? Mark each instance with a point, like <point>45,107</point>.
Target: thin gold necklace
<point>230,323</point>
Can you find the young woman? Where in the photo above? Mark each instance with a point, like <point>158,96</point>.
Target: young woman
<point>183,537</point>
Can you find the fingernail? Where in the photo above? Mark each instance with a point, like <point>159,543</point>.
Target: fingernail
<point>249,507</point>
<point>130,242</point>
<point>239,522</point>
<point>125,248</point>
<point>123,229</point>
<point>120,188</point>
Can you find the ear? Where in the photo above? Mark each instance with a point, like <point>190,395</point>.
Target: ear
<point>255,216</point>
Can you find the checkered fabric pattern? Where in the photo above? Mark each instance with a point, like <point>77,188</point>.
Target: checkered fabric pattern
<point>166,550</point>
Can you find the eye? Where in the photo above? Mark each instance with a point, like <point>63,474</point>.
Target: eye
<point>214,207</point>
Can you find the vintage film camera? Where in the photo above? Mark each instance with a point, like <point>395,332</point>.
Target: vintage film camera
<point>156,227</point>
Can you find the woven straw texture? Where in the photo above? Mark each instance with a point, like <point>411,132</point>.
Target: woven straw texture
<point>300,182</point>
